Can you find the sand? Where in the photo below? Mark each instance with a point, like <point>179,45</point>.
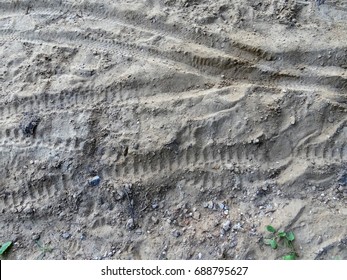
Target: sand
<point>172,129</point>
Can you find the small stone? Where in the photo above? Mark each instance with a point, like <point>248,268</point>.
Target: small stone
<point>196,215</point>
<point>199,256</point>
<point>209,205</point>
<point>343,180</point>
<point>136,146</point>
<point>155,220</point>
<point>155,205</point>
<point>35,237</point>
<point>29,123</point>
<point>95,181</point>
<point>176,233</point>
<point>66,235</point>
<point>138,231</point>
<point>130,225</point>
<point>226,225</point>
<point>320,240</point>
<point>237,226</point>
<point>121,194</point>
<point>292,120</point>
<point>221,206</point>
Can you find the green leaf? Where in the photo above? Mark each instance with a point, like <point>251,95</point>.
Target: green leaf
<point>289,257</point>
<point>5,246</point>
<point>267,241</point>
<point>270,229</point>
<point>290,236</point>
<point>282,234</point>
<point>273,244</point>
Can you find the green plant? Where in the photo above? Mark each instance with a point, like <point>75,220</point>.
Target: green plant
<point>5,246</point>
<point>44,249</point>
<point>281,237</point>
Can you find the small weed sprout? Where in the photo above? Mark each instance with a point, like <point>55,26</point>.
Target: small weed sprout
<point>284,238</point>
<point>44,250</point>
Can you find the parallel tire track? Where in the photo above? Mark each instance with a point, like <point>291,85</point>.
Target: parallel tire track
<point>238,61</point>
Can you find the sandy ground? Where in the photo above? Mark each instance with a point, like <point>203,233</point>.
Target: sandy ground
<point>172,129</point>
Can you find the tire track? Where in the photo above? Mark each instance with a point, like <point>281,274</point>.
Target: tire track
<point>212,63</point>
<point>131,19</point>
<point>35,193</point>
<point>324,152</point>
<point>139,167</point>
<point>105,11</point>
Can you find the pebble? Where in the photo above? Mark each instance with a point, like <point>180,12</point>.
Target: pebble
<point>221,206</point>
<point>155,205</point>
<point>209,205</point>
<point>35,237</point>
<point>130,225</point>
<point>196,215</point>
<point>226,225</point>
<point>343,180</point>
<point>95,181</point>
<point>155,220</point>
<point>292,120</point>
<point>199,256</point>
<point>136,146</point>
<point>66,235</point>
<point>176,233</point>
<point>28,124</point>
<point>237,226</point>
<point>319,240</point>
<point>121,194</point>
